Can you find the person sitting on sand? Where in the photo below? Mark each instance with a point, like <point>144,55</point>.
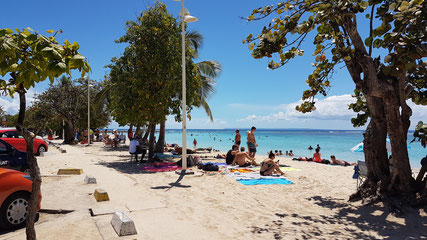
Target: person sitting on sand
<point>340,162</point>
<point>291,154</point>
<point>316,156</point>
<point>280,152</point>
<point>276,152</point>
<point>287,153</point>
<point>240,159</point>
<point>268,166</point>
<point>231,154</point>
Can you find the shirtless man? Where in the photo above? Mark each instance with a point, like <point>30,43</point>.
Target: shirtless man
<point>252,142</point>
<point>237,139</point>
<point>240,159</point>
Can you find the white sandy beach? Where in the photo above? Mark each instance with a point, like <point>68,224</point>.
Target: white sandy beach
<point>208,205</point>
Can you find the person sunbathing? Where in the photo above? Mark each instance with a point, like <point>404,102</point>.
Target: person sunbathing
<point>269,166</point>
<point>340,162</point>
<point>240,159</point>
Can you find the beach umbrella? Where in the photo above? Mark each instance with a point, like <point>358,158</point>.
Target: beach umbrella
<point>359,147</point>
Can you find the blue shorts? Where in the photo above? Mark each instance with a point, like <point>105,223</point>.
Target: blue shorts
<point>251,147</point>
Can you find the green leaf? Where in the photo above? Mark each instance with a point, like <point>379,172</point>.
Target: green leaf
<point>392,6</point>
<point>368,41</point>
<point>347,58</point>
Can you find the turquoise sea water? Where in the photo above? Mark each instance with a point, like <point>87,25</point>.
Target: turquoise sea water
<point>332,142</point>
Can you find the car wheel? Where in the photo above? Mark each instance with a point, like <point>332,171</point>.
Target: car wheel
<point>42,148</point>
<point>14,211</point>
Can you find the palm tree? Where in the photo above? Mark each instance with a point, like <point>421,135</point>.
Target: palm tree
<point>209,70</point>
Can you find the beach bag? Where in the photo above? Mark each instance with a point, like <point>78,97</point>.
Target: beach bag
<point>191,161</point>
<point>209,167</point>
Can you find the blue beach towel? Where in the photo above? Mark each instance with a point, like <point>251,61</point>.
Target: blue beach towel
<point>264,181</point>
<point>217,164</point>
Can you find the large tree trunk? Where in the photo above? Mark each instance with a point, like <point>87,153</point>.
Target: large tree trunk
<point>402,178</point>
<point>69,132</point>
<point>32,163</point>
<point>152,128</point>
<point>147,132</point>
<point>160,145</point>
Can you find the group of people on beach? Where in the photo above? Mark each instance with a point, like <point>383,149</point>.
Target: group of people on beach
<point>244,159</point>
<point>317,157</point>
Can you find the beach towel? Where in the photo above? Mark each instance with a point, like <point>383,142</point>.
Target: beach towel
<point>264,181</point>
<point>161,167</point>
<point>251,175</point>
<point>284,169</point>
<point>216,163</point>
<point>242,170</point>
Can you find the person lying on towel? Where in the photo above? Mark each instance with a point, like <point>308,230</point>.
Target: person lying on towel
<point>269,166</point>
<point>240,159</point>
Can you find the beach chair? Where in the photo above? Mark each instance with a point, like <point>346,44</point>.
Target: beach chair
<point>360,173</point>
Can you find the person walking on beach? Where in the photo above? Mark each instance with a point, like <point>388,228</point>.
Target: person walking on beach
<point>240,159</point>
<point>252,142</point>
<point>237,138</point>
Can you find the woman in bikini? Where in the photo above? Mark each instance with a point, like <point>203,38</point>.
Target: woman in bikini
<point>268,166</point>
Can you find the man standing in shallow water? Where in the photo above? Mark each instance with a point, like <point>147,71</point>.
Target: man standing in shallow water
<point>237,138</point>
<point>252,142</point>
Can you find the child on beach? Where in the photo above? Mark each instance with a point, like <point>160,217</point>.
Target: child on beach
<point>268,166</point>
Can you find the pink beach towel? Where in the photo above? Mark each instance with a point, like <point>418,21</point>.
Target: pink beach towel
<point>161,167</point>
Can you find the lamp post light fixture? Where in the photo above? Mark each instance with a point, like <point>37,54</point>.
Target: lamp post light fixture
<point>186,17</point>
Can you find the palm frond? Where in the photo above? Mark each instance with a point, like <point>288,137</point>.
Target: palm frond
<point>195,39</point>
<point>205,106</point>
<point>209,68</point>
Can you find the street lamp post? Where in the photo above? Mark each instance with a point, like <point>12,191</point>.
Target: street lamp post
<point>88,110</point>
<point>185,17</point>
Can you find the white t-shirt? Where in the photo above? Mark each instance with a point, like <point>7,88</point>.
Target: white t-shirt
<point>132,145</point>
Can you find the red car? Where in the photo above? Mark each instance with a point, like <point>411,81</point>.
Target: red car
<point>11,136</point>
<point>15,191</point>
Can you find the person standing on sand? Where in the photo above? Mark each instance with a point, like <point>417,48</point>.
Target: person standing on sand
<point>237,138</point>
<point>195,143</point>
<point>240,159</point>
<point>252,142</point>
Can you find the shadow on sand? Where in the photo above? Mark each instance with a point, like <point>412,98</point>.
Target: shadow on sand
<point>125,166</point>
<point>368,218</point>
<point>174,184</point>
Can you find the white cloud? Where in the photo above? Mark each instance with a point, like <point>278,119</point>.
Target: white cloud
<point>11,105</point>
<point>333,108</point>
<point>330,108</point>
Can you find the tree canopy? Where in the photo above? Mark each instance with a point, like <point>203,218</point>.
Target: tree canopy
<point>149,71</point>
<point>382,84</point>
<point>29,58</point>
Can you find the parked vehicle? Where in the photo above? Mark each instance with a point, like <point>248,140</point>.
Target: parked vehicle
<point>15,191</point>
<point>12,136</point>
<point>12,158</point>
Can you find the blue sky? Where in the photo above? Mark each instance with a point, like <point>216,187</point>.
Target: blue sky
<point>247,93</point>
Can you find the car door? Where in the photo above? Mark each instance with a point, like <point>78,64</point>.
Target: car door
<point>4,155</point>
<point>13,138</point>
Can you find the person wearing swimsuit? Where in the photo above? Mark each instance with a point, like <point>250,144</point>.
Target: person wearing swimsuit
<point>268,166</point>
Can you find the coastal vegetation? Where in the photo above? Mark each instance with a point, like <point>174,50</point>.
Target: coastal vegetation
<point>144,84</point>
<point>27,57</point>
<point>382,84</point>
